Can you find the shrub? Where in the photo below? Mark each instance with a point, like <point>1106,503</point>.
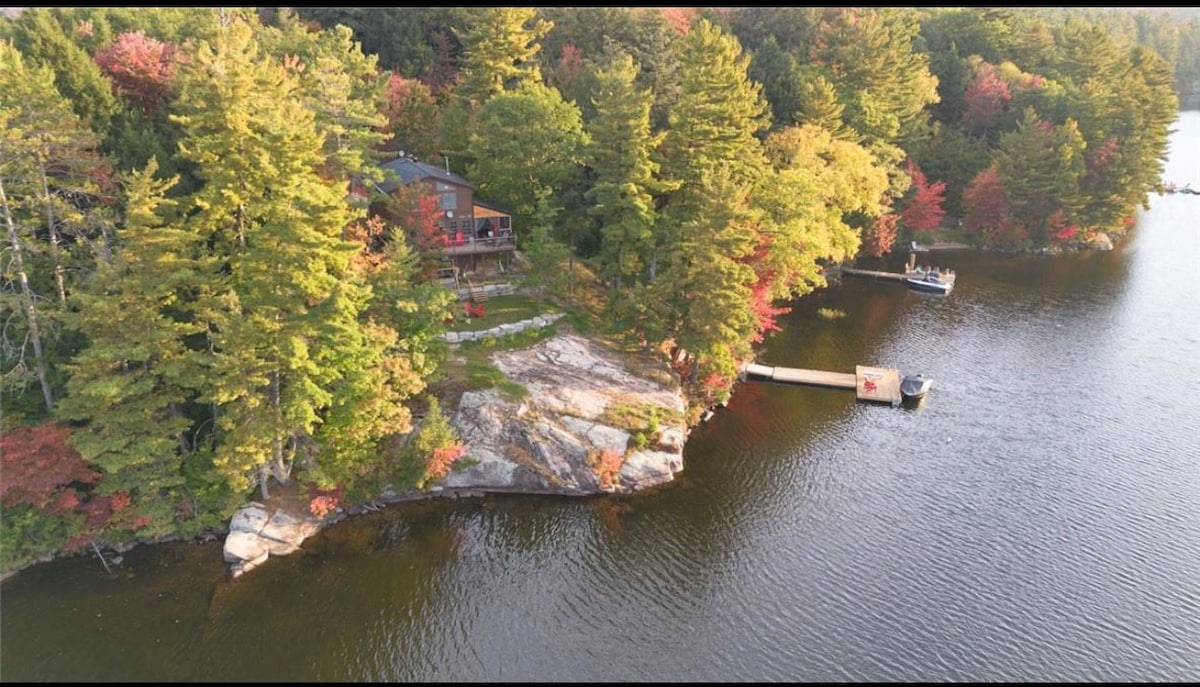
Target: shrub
<point>608,467</point>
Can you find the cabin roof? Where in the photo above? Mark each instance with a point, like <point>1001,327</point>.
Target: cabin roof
<point>408,170</point>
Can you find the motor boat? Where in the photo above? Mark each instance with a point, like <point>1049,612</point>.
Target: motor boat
<point>931,282</point>
<point>914,387</point>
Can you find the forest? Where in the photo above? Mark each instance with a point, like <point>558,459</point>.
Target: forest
<point>199,298</point>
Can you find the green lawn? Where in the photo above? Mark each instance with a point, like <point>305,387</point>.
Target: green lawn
<point>500,310</point>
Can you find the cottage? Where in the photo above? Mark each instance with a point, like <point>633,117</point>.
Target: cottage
<point>478,236</point>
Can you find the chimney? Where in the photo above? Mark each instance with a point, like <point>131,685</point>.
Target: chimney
<point>447,159</point>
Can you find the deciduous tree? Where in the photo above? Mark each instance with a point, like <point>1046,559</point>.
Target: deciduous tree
<point>922,209</point>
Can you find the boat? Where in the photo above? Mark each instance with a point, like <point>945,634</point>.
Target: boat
<point>914,387</point>
<point>930,282</point>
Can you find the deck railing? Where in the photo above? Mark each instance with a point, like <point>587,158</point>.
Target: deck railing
<point>465,245</point>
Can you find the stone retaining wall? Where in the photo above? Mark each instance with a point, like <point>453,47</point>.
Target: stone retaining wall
<point>489,290</point>
<point>502,329</point>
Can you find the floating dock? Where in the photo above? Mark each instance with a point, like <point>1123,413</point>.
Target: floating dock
<point>876,384</point>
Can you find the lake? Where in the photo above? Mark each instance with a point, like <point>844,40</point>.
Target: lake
<point>1037,518</point>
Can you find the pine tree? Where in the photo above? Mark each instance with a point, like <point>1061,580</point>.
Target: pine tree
<point>701,281</point>
<point>283,330</point>
<point>51,192</point>
<point>817,103</point>
<point>621,157</point>
<point>883,81</point>
<point>44,40</point>
<point>129,387</point>
<point>781,80</point>
<point>719,111</point>
<point>339,83</point>
<point>499,50</point>
<point>1040,166</point>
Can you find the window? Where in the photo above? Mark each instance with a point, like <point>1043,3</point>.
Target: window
<point>505,221</point>
<point>448,201</point>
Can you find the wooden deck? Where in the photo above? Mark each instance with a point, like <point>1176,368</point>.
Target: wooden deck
<point>476,246</point>
<point>876,384</point>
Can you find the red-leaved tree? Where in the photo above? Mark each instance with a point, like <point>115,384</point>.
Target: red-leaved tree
<point>608,467</point>
<point>568,68</point>
<point>141,68</point>
<point>679,18</point>
<point>986,97</point>
<point>764,291</point>
<point>414,210</point>
<point>881,235</point>
<point>987,212</point>
<point>1058,229</point>
<point>923,211</point>
<point>42,470</point>
<point>441,459</point>
<point>413,120</point>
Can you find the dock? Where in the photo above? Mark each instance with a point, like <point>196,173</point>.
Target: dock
<point>875,384</point>
<point>910,270</point>
<point>894,276</point>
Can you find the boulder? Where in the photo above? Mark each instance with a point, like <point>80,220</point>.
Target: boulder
<point>244,546</point>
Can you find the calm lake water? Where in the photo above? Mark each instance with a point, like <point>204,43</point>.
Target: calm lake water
<point>1037,518</point>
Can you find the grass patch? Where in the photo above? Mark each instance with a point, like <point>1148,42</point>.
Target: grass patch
<point>500,310</point>
<point>637,417</point>
<point>513,390</point>
<point>831,313</point>
<point>470,368</point>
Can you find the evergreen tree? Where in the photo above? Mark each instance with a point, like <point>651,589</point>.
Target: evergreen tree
<point>129,387</point>
<point>1040,166</point>
<point>340,84</point>
<point>545,253</point>
<point>708,286</point>
<point>883,81</point>
<point>283,329</point>
<point>701,280</point>
<point>44,40</point>
<point>621,157</point>
<point>54,211</point>
<point>499,50</point>
<point>713,128</point>
<point>719,112</point>
<point>781,80</point>
<point>817,104</point>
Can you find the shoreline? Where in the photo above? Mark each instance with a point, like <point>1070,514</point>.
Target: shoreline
<point>453,492</point>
